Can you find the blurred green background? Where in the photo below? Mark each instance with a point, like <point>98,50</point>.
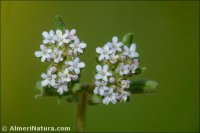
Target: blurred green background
<point>167,38</point>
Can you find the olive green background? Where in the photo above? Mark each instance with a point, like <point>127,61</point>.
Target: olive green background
<point>167,38</point>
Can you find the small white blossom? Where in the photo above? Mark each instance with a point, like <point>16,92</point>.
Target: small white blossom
<point>110,96</point>
<point>102,73</point>
<point>75,65</point>
<point>48,37</point>
<point>134,66</point>
<point>125,84</point>
<point>123,95</point>
<point>115,45</point>
<point>61,38</point>
<point>57,55</point>
<point>45,53</point>
<point>100,87</point>
<point>77,46</point>
<point>71,34</point>
<point>123,69</point>
<point>131,52</point>
<point>113,58</point>
<point>62,87</point>
<point>49,79</point>
<point>104,52</point>
<point>65,75</point>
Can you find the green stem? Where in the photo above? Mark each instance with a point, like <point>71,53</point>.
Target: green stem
<point>81,112</point>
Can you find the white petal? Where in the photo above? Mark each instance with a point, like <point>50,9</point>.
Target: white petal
<point>38,53</point>
<point>77,70</point>
<point>45,41</point>
<point>98,76</point>
<point>51,33</point>
<point>114,39</point>
<point>82,45</point>
<point>99,68</point>
<point>101,57</point>
<point>99,50</point>
<point>95,90</point>
<point>60,91</point>
<point>66,40</point>
<point>45,34</point>
<point>76,60</point>
<point>133,47</point>
<point>45,82</point>
<point>81,65</point>
<point>43,75</point>
<point>73,32</point>
<point>43,58</point>
<point>105,68</point>
<point>105,78</point>
<point>113,100</point>
<point>59,33</point>
<point>126,48</point>
<point>106,100</point>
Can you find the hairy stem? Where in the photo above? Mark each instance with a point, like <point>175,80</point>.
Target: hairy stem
<point>81,112</point>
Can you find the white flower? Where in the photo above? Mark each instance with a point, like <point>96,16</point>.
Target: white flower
<point>134,66</point>
<point>102,73</point>
<point>57,55</point>
<point>113,58</point>
<point>125,84</point>
<point>61,38</point>
<point>64,75</point>
<point>45,53</point>
<point>131,52</point>
<point>110,96</point>
<point>77,46</point>
<point>75,65</point>
<point>123,69</point>
<point>100,87</point>
<point>104,52</point>
<point>115,45</point>
<point>123,95</point>
<point>48,37</point>
<point>71,34</point>
<point>49,79</point>
<point>62,87</point>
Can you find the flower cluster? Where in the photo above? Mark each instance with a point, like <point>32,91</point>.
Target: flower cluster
<point>117,63</point>
<point>61,49</point>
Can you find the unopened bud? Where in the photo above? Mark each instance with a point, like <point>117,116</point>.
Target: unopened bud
<point>112,80</point>
<point>53,69</point>
<point>74,77</point>
<point>69,52</point>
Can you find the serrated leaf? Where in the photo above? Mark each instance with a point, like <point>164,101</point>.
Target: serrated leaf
<point>143,86</point>
<point>59,23</point>
<point>128,39</point>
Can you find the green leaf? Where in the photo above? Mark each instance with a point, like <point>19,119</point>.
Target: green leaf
<point>76,87</point>
<point>128,39</point>
<point>59,23</point>
<point>95,99</point>
<point>140,70</point>
<point>143,86</point>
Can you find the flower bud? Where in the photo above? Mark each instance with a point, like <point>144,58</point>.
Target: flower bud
<point>112,80</point>
<point>53,69</point>
<point>69,52</point>
<point>74,77</point>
